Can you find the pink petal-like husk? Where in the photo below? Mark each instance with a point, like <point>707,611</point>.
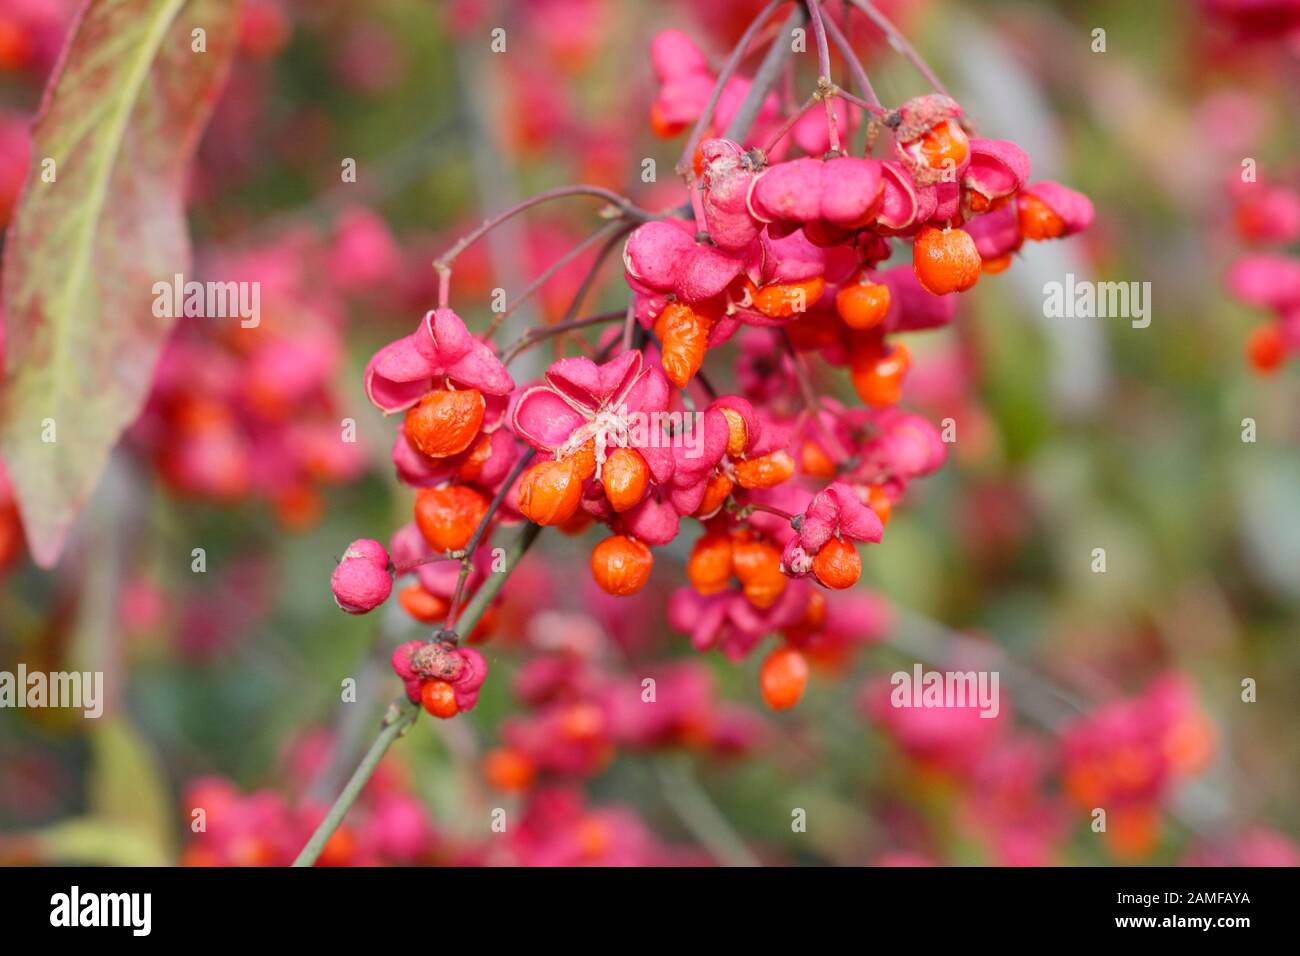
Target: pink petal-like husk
<point>442,337</point>
<point>649,393</point>
<point>705,272</point>
<point>654,252</point>
<point>788,191</point>
<point>850,188</point>
<point>652,521</point>
<point>998,167</point>
<point>480,368</point>
<point>544,419</point>
<point>912,307</point>
<point>673,53</point>
<point>790,257</point>
<point>898,201</point>
<point>398,376</point>
<point>996,233</point>
<point>416,469</point>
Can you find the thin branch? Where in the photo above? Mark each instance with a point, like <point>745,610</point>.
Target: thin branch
<point>825,82</point>
<point>769,71</point>
<point>899,43</point>
<point>607,230</point>
<point>626,209</point>
<point>401,715</point>
<point>542,332</point>
<point>687,160</point>
<point>856,70</point>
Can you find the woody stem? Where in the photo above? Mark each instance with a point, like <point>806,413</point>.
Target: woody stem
<point>769,72</point>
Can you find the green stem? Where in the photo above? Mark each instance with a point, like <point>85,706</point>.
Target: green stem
<point>400,717</point>
<point>402,714</point>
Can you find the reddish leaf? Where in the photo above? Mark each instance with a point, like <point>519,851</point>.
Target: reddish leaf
<point>121,118</point>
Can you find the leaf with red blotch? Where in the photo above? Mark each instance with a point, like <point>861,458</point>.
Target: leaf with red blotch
<point>92,234</point>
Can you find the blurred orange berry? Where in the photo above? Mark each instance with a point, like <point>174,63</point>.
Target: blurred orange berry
<point>757,564</point>
<point>1266,349</point>
<point>877,372</point>
<point>709,567</point>
<point>783,678</point>
<point>621,565</point>
<point>814,461</point>
<point>508,770</point>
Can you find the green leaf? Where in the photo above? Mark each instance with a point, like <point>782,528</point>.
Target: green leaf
<point>129,812</point>
<point>92,234</point>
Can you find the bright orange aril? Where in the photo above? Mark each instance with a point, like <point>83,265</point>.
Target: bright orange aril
<point>439,698</point>
<point>448,516</point>
<point>424,606</point>
<point>945,260</point>
<point>625,476</point>
<point>837,565</point>
<point>765,472</point>
<point>945,145</point>
<point>550,492</point>
<point>781,300</point>
<point>715,494</point>
<point>737,432</point>
<point>863,305</point>
<point>1037,220</point>
<point>683,335</point>
<point>445,422</point>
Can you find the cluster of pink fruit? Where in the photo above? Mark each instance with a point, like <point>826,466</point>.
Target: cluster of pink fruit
<point>788,257</point>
